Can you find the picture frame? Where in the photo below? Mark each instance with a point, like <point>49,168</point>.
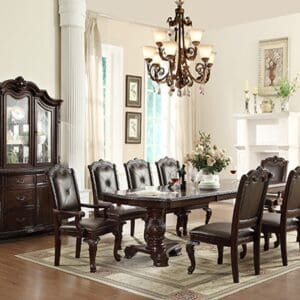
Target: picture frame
<point>133,91</point>
<point>133,128</point>
<point>273,64</point>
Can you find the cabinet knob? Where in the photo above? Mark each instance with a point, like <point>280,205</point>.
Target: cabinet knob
<point>20,180</point>
<point>21,198</point>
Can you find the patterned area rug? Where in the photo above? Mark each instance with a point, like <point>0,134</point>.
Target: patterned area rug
<point>137,275</point>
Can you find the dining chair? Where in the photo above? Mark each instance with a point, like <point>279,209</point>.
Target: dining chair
<point>166,169</point>
<point>277,166</point>
<point>138,173</point>
<point>105,180</point>
<point>289,217</point>
<point>244,228</point>
<point>67,205</point>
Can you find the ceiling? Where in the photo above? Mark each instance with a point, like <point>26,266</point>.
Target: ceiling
<point>209,14</point>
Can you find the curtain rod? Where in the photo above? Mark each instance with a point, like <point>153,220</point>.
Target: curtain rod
<point>110,17</point>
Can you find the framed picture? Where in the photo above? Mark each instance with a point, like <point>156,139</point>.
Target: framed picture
<point>273,64</point>
<point>133,91</point>
<point>133,128</point>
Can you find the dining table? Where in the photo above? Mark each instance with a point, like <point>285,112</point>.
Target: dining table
<point>158,200</point>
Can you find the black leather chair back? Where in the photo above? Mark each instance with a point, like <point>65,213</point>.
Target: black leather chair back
<point>138,173</point>
<point>104,178</point>
<point>250,199</point>
<point>64,188</point>
<point>277,166</point>
<point>167,168</point>
<point>291,199</point>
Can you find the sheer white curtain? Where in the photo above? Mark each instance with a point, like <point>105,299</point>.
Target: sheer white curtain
<point>94,132</point>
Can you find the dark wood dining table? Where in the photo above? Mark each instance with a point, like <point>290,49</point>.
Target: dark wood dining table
<point>157,200</point>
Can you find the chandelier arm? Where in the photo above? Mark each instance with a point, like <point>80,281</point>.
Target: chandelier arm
<point>161,54</point>
<point>153,72</point>
<point>191,53</point>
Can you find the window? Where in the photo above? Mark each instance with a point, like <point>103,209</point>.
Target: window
<point>160,121</point>
<point>111,121</point>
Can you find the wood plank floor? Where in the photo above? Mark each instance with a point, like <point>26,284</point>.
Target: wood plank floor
<point>21,280</point>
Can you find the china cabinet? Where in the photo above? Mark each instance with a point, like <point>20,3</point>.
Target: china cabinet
<point>29,135</point>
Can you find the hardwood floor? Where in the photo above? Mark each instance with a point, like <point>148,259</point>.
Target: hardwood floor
<point>21,280</point>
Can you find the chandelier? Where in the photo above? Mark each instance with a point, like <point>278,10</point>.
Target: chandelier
<point>176,50</point>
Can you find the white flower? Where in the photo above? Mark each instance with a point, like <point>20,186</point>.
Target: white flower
<point>210,161</point>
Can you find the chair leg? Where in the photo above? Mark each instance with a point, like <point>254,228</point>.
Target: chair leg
<point>283,248</point>
<point>121,231</point>
<point>234,263</point>
<point>184,224</point>
<point>244,251</point>
<point>118,238</point>
<point>298,235</point>
<point>78,247</point>
<point>57,249</point>
<point>256,254</point>
<point>277,242</point>
<point>132,226</point>
<point>92,242</point>
<point>208,214</point>
<point>267,241</point>
<point>220,254</point>
<point>191,253</point>
<point>179,222</point>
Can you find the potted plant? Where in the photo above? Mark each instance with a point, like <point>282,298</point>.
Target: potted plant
<point>209,160</point>
<point>285,90</point>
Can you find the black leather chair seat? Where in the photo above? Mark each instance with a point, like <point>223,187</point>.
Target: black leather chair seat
<point>126,211</point>
<point>90,224</point>
<point>273,219</point>
<point>219,230</point>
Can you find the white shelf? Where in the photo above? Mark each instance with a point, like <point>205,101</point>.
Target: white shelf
<point>266,116</point>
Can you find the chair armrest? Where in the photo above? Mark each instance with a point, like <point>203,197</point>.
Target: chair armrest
<point>104,205</point>
<point>69,214</point>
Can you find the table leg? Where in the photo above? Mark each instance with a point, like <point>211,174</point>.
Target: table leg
<point>155,229</point>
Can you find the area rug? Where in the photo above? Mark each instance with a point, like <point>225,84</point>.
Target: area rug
<point>139,276</point>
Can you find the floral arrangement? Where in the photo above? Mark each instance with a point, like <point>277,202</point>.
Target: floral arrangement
<point>206,157</point>
<point>286,88</point>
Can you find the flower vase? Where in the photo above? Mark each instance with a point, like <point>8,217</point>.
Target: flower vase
<point>209,181</point>
<point>284,104</point>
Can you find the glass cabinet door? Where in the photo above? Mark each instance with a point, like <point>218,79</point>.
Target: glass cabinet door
<point>17,130</point>
<point>43,134</point>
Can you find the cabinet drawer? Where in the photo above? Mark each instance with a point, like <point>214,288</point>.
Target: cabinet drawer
<point>41,179</point>
<point>19,220</point>
<point>19,180</point>
<point>18,199</point>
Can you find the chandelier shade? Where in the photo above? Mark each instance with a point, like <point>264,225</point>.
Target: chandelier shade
<point>170,62</point>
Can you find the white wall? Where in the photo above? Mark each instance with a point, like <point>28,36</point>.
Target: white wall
<point>237,60</point>
<point>30,44</point>
<point>131,37</point>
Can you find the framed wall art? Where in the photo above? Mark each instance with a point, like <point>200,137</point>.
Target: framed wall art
<point>273,64</point>
<point>133,91</point>
<point>133,128</point>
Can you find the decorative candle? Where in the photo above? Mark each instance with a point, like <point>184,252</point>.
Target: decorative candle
<point>246,85</point>
<point>255,90</point>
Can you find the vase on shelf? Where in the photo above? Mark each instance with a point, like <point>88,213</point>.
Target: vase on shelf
<point>284,104</point>
<point>208,181</point>
<point>267,105</point>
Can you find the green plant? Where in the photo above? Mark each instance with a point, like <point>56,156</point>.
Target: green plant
<point>206,157</point>
<point>286,88</point>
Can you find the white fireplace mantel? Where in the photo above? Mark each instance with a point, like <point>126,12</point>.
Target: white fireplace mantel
<point>262,135</point>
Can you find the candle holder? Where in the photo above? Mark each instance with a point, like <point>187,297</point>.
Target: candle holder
<point>255,102</point>
<point>247,100</point>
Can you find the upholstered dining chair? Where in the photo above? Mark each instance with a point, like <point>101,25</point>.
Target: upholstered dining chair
<point>245,226</point>
<point>289,217</point>
<point>138,173</point>
<point>166,169</point>
<point>67,205</point>
<point>105,179</point>
<point>277,166</point>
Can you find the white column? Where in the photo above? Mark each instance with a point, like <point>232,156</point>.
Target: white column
<point>73,87</point>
